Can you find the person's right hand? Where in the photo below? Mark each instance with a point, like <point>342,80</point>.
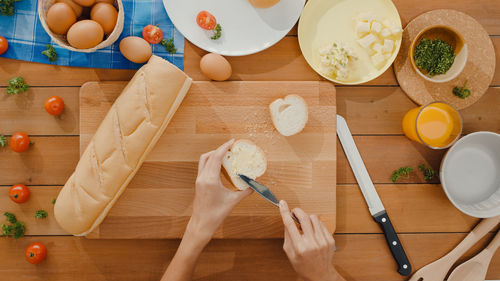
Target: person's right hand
<point>310,253</point>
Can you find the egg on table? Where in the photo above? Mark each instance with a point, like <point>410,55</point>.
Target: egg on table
<point>215,67</point>
<point>135,49</point>
<point>106,15</point>
<point>60,17</point>
<point>85,34</point>
<point>76,8</point>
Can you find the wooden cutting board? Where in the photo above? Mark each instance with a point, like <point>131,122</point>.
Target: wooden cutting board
<point>301,168</point>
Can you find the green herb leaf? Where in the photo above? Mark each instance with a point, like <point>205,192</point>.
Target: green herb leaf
<point>217,32</point>
<point>3,141</point>
<point>434,56</point>
<point>7,230</point>
<point>10,217</point>
<point>50,53</point>
<point>7,7</point>
<point>401,172</point>
<point>19,230</point>
<point>53,201</point>
<point>462,92</point>
<point>428,172</point>
<point>17,85</point>
<point>169,45</point>
<point>41,214</point>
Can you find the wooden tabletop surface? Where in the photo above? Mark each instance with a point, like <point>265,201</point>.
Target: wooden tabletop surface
<point>428,225</point>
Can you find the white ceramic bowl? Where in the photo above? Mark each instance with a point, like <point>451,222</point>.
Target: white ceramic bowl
<point>470,174</point>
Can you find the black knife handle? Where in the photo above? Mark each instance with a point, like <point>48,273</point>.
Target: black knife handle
<point>404,267</point>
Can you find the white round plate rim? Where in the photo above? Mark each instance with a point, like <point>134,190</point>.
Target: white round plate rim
<point>315,68</point>
<point>272,36</point>
<point>443,174</point>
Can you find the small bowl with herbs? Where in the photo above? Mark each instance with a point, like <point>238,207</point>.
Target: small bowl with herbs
<point>438,53</point>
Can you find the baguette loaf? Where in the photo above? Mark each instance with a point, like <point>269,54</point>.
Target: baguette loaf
<point>120,145</point>
<point>245,158</point>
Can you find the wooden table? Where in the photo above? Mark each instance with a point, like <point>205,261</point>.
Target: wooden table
<point>428,224</point>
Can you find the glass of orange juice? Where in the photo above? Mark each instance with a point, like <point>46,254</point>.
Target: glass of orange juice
<point>437,125</point>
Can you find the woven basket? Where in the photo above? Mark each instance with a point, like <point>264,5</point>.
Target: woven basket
<point>43,7</point>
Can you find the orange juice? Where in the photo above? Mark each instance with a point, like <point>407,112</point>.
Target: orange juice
<point>437,125</point>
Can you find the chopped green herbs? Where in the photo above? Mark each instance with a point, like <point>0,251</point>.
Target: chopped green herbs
<point>428,172</point>
<point>41,214</point>
<point>17,85</point>
<point>435,56</point>
<point>401,172</point>
<point>462,92</point>
<point>7,7</point>
<point>169,45</point>
<point>53,201</point>
<point>217,32</point>
<point>10,217</point>
<point>3,141</point>
<point>50,53</point>
<point>15,229</point>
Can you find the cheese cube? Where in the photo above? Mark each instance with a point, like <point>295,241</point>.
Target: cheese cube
<point>377,47</point>
<point>387,56</point>
<point>367,17</point>
<point>395,30</point>
<point>363,27</point>
<point>388,46</point>
<point>367,41</point>
<point>386,32</point>
<point>387,23</point>
<point>378,60</point>
<point>376,26</point>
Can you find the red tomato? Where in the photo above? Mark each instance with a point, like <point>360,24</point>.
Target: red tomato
<point>206,20</point>
<point>54,105</point>
<point>19,193</point>
<point>19,142</point>
<point>36,253</point>
<point>4,45</point>
<point>152,33</point>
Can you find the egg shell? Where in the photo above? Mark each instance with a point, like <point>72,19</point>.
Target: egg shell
<point>106,1</point>
<point>85,34</point>
<point>106,15</point>
<point>215,67</point>
<point>76,8</point>
<point>85,3</point>
<point>60,17</point>
<point>135,49</point>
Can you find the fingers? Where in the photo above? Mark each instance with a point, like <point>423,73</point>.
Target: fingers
<point>290,226</point>
<point>305,222</point>
<point>215,161</point>
<point>203,161</point>
<point>242,194</point>
<point>318,230</point>
<point>328,235</point>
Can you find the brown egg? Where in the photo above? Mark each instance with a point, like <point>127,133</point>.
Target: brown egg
<point>85,34</point>
<point>106,1</point>
<point>85,3</point>
<point>76,8</point>
<point>135,49</point>
<point>60,17</point>
<point>215,67</point>
<point>105,14</point>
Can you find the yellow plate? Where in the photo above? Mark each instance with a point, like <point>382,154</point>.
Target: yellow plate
<point>325,21</point>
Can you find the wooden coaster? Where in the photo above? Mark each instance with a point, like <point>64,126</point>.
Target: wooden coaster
<point>478,71</point>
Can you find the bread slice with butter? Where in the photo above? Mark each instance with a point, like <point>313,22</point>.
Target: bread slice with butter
<point>245,158</point>
<point>289,115</point>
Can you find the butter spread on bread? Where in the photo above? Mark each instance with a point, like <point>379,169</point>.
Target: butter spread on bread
<point>245,158</point>
<point>120,145</point>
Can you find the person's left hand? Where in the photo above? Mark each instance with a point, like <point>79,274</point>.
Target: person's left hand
<point>213,202</point>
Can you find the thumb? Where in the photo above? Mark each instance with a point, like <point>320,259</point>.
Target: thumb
<point>240,195</point>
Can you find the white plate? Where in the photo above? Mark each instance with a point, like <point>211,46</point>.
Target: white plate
<point>245,29</point>
<point>470,174</point>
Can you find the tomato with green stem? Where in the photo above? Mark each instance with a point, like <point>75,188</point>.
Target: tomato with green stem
<point>19,142</point>
<point>19,193</point>
<point>36,253</point>
<point>54,105</point>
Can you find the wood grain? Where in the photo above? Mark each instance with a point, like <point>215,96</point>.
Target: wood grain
<point>71,258</point>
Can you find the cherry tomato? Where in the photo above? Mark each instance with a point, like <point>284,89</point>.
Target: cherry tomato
<point>19,193</point>
<point>54,105</point>
<point>19,142</point>
<point>206,20</point>
<point>152,33</point>
<point>36,253</point>
<point>4,45</point>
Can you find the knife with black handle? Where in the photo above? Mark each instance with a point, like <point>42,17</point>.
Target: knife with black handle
<point>372,199</point>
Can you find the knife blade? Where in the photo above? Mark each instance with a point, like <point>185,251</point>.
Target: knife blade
<point>265,192</point>
<point>372,199</point>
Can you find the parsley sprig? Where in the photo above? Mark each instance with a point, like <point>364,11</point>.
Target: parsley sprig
<point>3,140</point>
<point>40,214</point>
<point>7,7</point>
<point>17,86</point>
<point>401,172</point>
<point>169,45</point>
<point>15,229</point>
<point>217,32</point>
<point>428,172</point>
<point>50,53</point>
<point>462,92</point>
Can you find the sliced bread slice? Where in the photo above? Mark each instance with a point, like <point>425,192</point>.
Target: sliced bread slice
<point>245,158</point>
<point>289,115</point>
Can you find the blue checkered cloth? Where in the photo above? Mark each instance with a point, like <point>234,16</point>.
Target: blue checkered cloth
<point>27,38</point>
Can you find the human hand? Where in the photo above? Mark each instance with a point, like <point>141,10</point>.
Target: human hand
<point>212,201</point>
<point>310,253</point>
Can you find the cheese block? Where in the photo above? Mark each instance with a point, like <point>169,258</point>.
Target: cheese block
<point>244,158</point>
<point>127,134</point>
